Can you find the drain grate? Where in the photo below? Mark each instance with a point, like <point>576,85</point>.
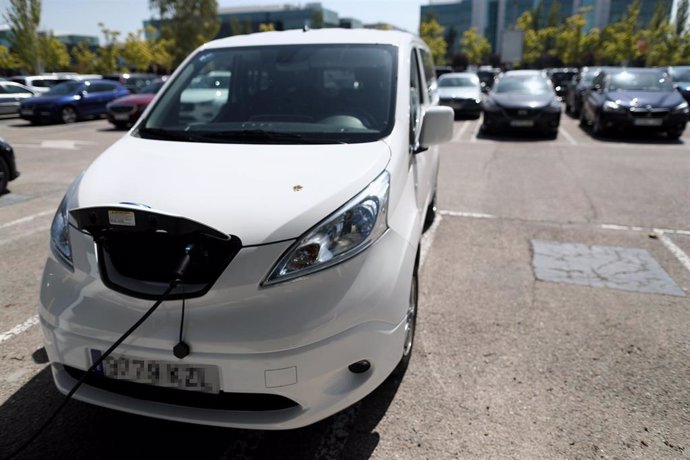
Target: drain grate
<point>611,267</point>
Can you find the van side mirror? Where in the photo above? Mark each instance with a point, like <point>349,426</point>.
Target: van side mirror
<point>437,126</point>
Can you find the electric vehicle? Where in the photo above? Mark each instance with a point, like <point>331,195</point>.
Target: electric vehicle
<point>278,228</point>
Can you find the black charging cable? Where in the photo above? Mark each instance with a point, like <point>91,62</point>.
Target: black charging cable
<point>179,275</point>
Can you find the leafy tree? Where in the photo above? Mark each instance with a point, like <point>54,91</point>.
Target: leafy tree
<point>8,61</point>
<point>107,61</point>
<point>554,15</point>
<point>23,17</point>
<point>532,47</point>
<point>53,53</point>
<point>136,52</point>
<point>317,20</point>
<point>620,40</point>
<point>161,56</point>
<point>569,42</point>
<point>432,34</point>
<point>266,27</point>
<point>476,47</point>
<point>188,23</point>
<point>239,28</point>
<point>84,58</point>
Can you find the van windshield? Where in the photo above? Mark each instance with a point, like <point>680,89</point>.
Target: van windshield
<point>321,93</point>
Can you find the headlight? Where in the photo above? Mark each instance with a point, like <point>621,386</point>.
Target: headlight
<point>611,106</point>
<point>59,229</point>
<point>342,235</point>
<point>681,108</point>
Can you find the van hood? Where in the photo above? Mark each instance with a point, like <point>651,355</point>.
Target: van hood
<point>259,193</point>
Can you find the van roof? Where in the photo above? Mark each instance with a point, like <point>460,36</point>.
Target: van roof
<point>314,36</point>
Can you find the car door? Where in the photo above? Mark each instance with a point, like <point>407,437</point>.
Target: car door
<point>11,97</point>
<point>594,96</point>
<point>94,98</point>
<point>6,101</point>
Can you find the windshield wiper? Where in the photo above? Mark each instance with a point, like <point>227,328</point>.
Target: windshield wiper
<point>168,135</point>
<point>261,136</point>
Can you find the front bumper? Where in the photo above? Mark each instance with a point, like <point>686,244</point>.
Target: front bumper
<point>462,106</point>
<point>625,120</point>
<point>294,340</point>
<point>40,113</point>
<point>515,119</point>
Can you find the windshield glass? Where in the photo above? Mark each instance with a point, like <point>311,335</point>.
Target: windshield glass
<point>153,88</point>
<point>682,74</point>
<point>642,81</point>
<point>467,82</point>
<point>325,93</point>
<point>63,89</point>
<point>524,85</point>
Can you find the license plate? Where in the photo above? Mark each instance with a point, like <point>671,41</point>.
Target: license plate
<point>121,116</point>
<point>522,123</point>
<point>647,121</point>
<point>192,377</point>
<point>27,111</point>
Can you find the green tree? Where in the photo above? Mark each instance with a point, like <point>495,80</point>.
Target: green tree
<point>554,18</point>
<point>476,47</point>
<point>532,47</point>
<point>23,17</point>
<point>8,61</point>
<point>53,53</point>
<point>188,23</point>
<point>107,60</point>
<point>84,58</point>
<point>569,42</point>
<point>620,41</point>
<point>267,27</point>
<point>432,34</point>
<point>136,52</point>
<point>317,20</point>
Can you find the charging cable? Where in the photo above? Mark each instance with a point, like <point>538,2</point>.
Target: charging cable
<point>179,275</point>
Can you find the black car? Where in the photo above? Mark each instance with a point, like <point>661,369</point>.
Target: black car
<point>522,99</point>
<point>681,80</point>
<point>487,78</point>
<point>578,86</point>
<point>637,98</point>
<point>8,169</point>
<point>560,78</point>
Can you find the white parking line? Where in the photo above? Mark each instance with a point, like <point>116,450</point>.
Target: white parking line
<point>473,215</point>
<point>25,326</point>
<point>460,132</point>
<point>567,135</point>
<point>26,219</point>
<point>643,229</point>
<point>675,250</point>
<point>41,229</point>
<point>428,239</point>
<point>475,133</point>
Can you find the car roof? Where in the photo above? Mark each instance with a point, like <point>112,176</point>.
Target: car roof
<point>317,36</point>
<point>524,73</point>
<point>459,74</point>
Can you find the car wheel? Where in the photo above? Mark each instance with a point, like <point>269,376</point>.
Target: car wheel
<point>4,175</point>
<point>68,114</point>
<point>430,215</point>
<point>598,127</point>
<point>583,119</point>
<point>410,324</point>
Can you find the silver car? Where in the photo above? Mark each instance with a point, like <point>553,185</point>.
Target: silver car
<point>461,91</point>
<point>11,94</point>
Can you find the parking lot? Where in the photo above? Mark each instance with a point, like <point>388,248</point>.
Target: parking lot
<point>554,319</point>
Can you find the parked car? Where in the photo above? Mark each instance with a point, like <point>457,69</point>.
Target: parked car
<point>134,82</point>
<point>578,87</point>
<point>638,98</point>
<point>487,78</point>
<point>11,94</point>
<point>8,167</point>
<point>289,224</point>
<point>123,112</point>
<point>39,83</point>
<point>560,78</point>
<point>681,80</point>
<point>522,100</point>
<point>461,92</point>
<point>71,101</point>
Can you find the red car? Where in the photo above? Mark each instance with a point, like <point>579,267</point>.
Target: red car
<point>123,112</point>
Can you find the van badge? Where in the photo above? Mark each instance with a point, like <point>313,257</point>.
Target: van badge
<point>297,188</point>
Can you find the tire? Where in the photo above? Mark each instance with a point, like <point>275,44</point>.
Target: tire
<point>68,114</point>
<point>121,125</point>
<point>583,119</point>
<point>4,175</point>
<point>410,325</point>
<point>598,127</point>
<point>430,215</point>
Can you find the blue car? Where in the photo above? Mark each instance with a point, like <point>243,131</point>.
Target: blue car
<point>71,101</point>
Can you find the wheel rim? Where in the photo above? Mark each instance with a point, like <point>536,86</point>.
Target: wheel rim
<point>411,318</point>
<point>69,115</point>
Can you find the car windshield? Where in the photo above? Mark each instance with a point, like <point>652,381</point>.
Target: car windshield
<point>680,74</point>
<point>321,93</point>
<point>524,85</point>
<point>640,81</point>
<point>63,89</point>
<point>153,88</point>
<point>466,82</point>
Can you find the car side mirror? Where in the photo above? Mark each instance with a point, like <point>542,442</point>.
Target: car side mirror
<point>437,126</point>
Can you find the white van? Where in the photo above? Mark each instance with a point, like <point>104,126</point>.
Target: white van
<point>272,235</point>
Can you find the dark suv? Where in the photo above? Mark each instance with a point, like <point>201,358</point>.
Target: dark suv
<point>8,169</point>
<point>634,98</point>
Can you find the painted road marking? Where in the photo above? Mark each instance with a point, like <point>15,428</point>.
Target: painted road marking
<point>475,133</point>
<point>472,215</point>
<point>567,135</point>
<point>428,239</point>
<point>675,250</point>
<point>27,219</point>
<point>460,132</point>
<point>16,330</point>
<point>42,229</point>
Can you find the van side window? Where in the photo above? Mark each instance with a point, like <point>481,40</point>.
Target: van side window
<point>416,100</point>
<point>429,75</point>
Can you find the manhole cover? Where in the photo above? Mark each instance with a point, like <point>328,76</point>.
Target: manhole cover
<point>601,266</point>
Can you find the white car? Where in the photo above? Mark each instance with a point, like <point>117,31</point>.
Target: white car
<point>279,238</point>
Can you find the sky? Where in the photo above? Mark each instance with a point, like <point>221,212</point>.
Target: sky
<point>82,16</point>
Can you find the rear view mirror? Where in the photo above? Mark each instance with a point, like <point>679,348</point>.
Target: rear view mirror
<point>437,126</point>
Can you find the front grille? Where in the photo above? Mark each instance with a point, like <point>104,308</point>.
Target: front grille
<point>248,402</point>
<point>122,108</point>
<point>522,113</point>
<point>649,113</point>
